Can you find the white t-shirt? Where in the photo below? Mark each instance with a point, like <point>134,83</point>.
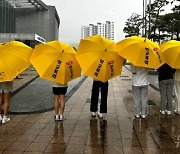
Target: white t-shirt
<point>139,76</point>
<point>55,84</point>
<point>177,75</point>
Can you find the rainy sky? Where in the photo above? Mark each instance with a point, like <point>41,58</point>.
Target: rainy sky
<point>76,13</point>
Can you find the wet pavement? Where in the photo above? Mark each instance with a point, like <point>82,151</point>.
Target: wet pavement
<point>119,132</point>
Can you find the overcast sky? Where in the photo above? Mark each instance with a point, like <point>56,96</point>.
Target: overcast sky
<point>76,13</point>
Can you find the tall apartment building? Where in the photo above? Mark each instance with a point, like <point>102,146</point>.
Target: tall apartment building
<point>84,31</point>
<point>95,30</point>
<point>105,30</point>
<point>101,29</point>
<point>110,30</point>
<point>91,29</point>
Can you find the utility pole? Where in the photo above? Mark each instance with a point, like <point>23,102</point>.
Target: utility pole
<point>149,19</point>
<point>144,33</point>
<point>143,20</point>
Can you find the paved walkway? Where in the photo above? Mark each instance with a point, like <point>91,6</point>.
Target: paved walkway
<point>118,133</point>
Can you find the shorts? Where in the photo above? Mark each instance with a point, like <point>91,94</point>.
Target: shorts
<point>59,90</point>
<point>6,87</point>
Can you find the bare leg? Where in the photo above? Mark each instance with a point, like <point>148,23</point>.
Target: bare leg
<point>6,102</point>
<point>1,102</point>
<point>56,104</point>
<point>62,99</point>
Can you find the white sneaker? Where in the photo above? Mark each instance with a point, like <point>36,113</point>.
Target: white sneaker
<point>5,120</point>
<point>168,112</point>
<point>143,116</point>
<point>93,114</point>
<point>177,112</point>
<point>100,115</point>
<point>137,116</point>
<point>61,117</point>
<point>56,117</point>
<point>162,112</point>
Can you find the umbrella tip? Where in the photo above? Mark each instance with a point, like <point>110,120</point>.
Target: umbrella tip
<point>145,40</point>
<point>62,50</point>
<point>105,49</point>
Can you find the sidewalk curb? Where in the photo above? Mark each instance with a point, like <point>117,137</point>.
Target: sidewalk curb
<point>72,91</point>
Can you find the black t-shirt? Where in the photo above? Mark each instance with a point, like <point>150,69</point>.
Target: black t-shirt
<point>165,72</point>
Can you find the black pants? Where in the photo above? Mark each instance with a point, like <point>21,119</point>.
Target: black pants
<point>95,96</point>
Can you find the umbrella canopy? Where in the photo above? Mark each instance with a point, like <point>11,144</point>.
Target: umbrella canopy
<point>171,51</point>
<point>14,59</point>
<point>56,61</point>
<point>141,52</point>
<point>98,58</point>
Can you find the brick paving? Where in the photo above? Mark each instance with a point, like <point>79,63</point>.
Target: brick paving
<point>119,132</point>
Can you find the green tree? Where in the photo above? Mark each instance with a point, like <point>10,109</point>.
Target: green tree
<point>133,25</point>
<point>154,20</point>
<point>167,26</point>
<point>176,8</point>
<point>176,18</point>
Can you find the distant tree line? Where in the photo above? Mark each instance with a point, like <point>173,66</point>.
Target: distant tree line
<point>154,25</point>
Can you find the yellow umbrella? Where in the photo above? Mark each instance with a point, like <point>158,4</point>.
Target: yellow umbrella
<point>141,52</point>
<point>171,51</point>
<point>56,61</point>
<point>14,59</point>
<point>98,58</point>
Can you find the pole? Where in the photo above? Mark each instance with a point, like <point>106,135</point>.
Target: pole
<point>149,19</point>
<point>143,20</point>
<point>145,9</point>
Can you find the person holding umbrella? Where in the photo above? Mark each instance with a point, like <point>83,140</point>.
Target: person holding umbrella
<point>14,59</point>
<point>5,92</point>
<point>139,90</point>
<point>143,54</point>
<point>171,51</point>
<point>103,64</point>
<point>55,61</point>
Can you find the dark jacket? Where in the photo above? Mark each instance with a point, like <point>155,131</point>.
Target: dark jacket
<point>165,72</point>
